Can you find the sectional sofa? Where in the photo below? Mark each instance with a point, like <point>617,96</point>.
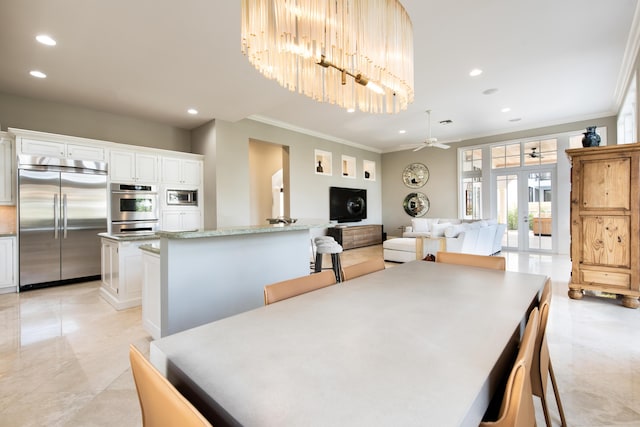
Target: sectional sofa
<point>479,237</point>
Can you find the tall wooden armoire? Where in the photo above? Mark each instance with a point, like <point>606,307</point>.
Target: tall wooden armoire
<point>605,221</point>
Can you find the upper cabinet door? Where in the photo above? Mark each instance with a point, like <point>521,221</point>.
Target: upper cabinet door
<point>62,150</point>
<point>171,170</point>
<point>128,166</point>
<point>122,166</point>
<point>7,172</point>
<point>606,183</point>
<point>44,148</point>
<point>181,171</point>
<point>192,172</point>
<point>146,167</point>
<point>85,152</point>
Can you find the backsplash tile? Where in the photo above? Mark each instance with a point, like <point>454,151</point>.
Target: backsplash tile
<point>8,219</point>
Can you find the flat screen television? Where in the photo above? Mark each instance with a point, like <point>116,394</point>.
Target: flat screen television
<point>347,204</point>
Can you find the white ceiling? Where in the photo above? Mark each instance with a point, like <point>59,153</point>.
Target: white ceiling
<point>551,61</point>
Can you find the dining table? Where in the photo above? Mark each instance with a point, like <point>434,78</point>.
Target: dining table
<point>417,344</point>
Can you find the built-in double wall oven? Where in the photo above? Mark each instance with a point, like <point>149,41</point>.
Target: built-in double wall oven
<point>134,208</point>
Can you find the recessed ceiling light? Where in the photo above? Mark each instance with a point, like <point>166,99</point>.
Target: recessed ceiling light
<point>402,131</point>
<point>351,110</point>
<point>490,91</point>
<point>515,119</point>
<point>475,72</point>
<point>38,74</point>
<point>506,109</point>
<point>45,39</point>
<point>192,111</point>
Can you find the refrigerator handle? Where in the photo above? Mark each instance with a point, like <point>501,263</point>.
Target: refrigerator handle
<point>64,215</point>
<point>56,219</point>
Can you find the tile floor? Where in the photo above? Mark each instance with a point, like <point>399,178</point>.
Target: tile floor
<point>64,354</point>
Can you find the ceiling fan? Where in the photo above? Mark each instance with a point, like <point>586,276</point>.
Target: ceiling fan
<point>534,154</point>
<point>430,141</point>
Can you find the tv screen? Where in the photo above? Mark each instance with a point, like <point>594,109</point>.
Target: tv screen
<point>347,204</point>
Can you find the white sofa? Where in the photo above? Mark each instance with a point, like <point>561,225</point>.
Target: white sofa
<point>479,237</point>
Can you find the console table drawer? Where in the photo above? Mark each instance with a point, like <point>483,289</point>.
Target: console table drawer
<point>357,236</point>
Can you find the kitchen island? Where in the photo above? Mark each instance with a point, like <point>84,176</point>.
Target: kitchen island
<point>211,274</point>
<point>121,268</point>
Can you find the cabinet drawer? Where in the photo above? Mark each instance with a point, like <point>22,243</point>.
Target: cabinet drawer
<point>606,278</point>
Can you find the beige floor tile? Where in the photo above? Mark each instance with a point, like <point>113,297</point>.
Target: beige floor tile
<point>64,353</point>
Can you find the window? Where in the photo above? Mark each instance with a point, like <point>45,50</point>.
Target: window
<point>472,197</point>
<point>471,183</point>
<point>627,116</point>
<point>472,160</point>
<point>542,152</point>
<point>505,155</point>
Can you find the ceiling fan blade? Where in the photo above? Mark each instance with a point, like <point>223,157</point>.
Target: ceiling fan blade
<point>440,145</point>
<point>420,147</point>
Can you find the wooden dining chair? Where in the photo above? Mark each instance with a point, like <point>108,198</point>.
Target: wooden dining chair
<point>495,262</point>
<point>542,368</point>
<point>517,408</point>
<point>161,404</point>
<point>360,269</point>
<point>300,285</point>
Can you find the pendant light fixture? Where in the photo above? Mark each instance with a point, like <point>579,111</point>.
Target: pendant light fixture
<point>353,53</point>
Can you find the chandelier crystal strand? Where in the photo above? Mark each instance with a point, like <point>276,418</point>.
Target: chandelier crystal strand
<point>309,46</point>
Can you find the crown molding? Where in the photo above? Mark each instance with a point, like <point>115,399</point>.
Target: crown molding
<point>288,126</point>
<point>627,70</point>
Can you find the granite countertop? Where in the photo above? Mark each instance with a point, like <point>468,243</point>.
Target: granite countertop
<point>8,234</point>
<point>154,249</point>
<point>129,237</point>
<point>249,229</point>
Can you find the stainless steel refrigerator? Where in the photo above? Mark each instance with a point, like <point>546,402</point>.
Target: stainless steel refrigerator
<point>62,206</point>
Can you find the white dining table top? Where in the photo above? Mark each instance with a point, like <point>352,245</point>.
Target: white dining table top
<point>410,345</point>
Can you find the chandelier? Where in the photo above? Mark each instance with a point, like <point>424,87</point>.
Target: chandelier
<point>353,53</point>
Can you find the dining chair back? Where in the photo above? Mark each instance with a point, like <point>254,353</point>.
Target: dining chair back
<point>161,404</point>
<point>542,368</point>
<point>517,408</point>
<point>360,269</point>
<point>484,261</point>
<point>300,285</point>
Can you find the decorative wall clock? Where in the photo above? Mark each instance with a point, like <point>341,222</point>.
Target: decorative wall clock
<point>415,175</point>
<point>416,204</point>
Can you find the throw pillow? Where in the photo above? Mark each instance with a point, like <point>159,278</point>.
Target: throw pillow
<point>437,230</point>
<point>453,230</point>
<point>420,225</point>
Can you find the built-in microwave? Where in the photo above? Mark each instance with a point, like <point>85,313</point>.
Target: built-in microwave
<point>182,197</point>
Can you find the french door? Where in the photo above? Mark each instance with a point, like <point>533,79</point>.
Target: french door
<point>524,201</point>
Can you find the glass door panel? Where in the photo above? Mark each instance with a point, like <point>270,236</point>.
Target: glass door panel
<point>524,202</point>
<point>507,208</point>
<point>539,209</point>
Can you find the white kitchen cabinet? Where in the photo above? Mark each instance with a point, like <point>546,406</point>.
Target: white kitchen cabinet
<point>181,220</point>
<point>151,301</point>
<point>61,150</point>
<point>122,272</point>
<point>7,173</point>
<point>179,171</point>
<point>109,266</point>
<point>130,166</point>
<point>7,264</point>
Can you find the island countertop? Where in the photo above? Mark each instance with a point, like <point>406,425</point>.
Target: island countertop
<point>249,229</point>
<point>129,237</point>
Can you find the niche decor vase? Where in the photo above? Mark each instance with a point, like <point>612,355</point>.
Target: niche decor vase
<point>590,138</point>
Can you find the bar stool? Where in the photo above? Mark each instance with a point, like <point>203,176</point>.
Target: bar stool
<point>328,245</point>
